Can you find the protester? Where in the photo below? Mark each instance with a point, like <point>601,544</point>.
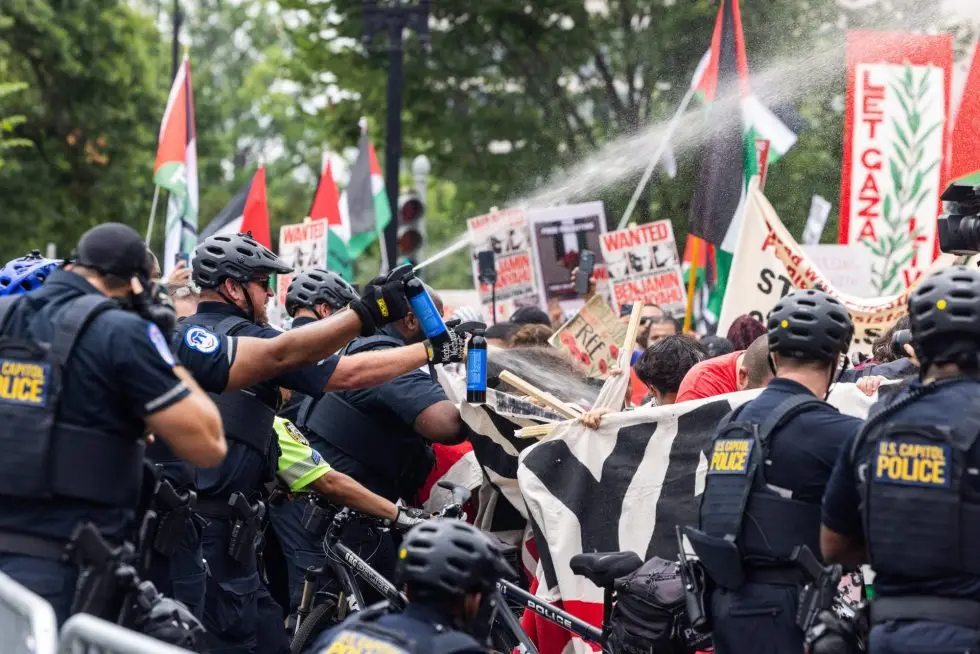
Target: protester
<point>530,316</point>
<point>736,371</point>
<point>716,346</point>
<point>664,364</point>
<point>744,330</point>
<point>885,362</point>
<point>499,335</point>
<point>533,334</point>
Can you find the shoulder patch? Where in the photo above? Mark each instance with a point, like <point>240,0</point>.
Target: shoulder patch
<point>200,339</point>
<point>160,343</point>
<point>295,433</point>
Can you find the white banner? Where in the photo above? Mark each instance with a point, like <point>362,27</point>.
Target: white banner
<point>769,264</point>
<point>816,220</point>
<point>847,267</point>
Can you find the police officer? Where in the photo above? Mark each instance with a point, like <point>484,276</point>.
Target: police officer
<point>234,274</point>
<point>381,436</point>
<point>449,570</point>
<point>313,295</point>
<point>905,493</point>
<point>769,464</point>
<point>24,274</point>
<point>85,372</point>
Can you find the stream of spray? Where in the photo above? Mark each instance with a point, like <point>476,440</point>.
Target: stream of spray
<point>544,372</point>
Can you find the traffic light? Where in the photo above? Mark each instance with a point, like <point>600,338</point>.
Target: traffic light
<point>411,228</point>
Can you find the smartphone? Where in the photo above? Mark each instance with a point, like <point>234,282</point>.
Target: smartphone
<point>586,264</point>
<point>182,256</point>
<point>486,262</point>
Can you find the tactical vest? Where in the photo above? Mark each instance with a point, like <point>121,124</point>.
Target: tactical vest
<point>43,454</point>
<point>920,493</point>
<point>401,457</point>
<point>362,633</point>
<point>735,487</point>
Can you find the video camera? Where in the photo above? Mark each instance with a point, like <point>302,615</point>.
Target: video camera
<point>959,226</point>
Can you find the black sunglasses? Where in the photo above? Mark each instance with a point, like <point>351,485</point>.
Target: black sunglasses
<point>264,282</point>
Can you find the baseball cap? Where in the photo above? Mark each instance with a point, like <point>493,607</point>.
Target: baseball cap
<point>113,249</point>
<point>530,316</point>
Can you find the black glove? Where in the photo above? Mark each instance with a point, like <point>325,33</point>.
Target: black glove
<point>408,518</point>
<point>166,619</point>
<point>381,305</point>
<point>449,350</point>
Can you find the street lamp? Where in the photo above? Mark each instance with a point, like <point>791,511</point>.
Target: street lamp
<point>394,19</point>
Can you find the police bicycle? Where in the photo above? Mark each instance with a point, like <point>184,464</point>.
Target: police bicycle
<point>320,610</point>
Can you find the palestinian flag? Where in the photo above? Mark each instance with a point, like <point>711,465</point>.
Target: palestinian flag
<point>247,212</point>
<point>176,169</point>
<point>326,206</point>
<point>365,201</point>
<point>964,156</point>
<point>730,158</point>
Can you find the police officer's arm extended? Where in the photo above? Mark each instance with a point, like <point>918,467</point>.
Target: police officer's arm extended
<point>191,426</point>
<point>344,491</point>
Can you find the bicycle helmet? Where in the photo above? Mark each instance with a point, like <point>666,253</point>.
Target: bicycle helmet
<point>315,286</point>
<point>236,256</point>
<point>809,325</point>
<point>944,315</point>
<point>450,558</point>
<point>25,274</point>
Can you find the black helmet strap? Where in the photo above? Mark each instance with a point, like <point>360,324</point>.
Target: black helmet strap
<point>248,300</point>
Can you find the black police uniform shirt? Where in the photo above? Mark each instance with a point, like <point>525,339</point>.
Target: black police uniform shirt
<point>841,505</point>
<point>120,372</point>
<point>417,623</point>
<point>393,408</point>
<point>290,410</point>
<point>803,452</point>
<point>209,358</point>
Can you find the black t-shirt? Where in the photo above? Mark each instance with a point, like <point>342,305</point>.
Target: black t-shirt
<point>120,372</point>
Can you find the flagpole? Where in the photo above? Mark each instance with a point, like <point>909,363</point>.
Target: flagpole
<point>153,212</point>
<point>664,142</point>
<point>692,276</point>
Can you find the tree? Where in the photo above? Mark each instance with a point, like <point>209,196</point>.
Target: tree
<point>90,112</point>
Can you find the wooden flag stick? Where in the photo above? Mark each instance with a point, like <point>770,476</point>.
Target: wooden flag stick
<point>535,431</point>
<point>544,397</point>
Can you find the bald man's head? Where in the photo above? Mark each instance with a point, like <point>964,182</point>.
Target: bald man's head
<point>410,328</point>
<point>753,368</point>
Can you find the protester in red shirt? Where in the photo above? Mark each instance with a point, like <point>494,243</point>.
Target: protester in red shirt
<point>738,371</point>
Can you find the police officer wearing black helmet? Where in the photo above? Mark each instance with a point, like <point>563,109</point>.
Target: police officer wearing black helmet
<point>449,570</point>
<point>85,372</point>
<point>905,493</point>
<point>768,467</point>
<point>228,341</point>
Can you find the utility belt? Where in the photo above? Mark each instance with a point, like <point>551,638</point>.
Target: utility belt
<point>955,611</point>
<point>246,519</point>
<point>12,542</point>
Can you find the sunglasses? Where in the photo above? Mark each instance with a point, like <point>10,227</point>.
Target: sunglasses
<point>264,282</point>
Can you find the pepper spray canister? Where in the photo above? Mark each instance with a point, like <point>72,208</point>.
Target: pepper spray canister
<point>426,312</point>
<point>476,368</point>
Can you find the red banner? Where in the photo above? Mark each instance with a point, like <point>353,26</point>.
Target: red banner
<point>893,172</point>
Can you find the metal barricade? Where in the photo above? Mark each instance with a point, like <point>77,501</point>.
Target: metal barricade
<point>86,634</point>
<point>27,621</point>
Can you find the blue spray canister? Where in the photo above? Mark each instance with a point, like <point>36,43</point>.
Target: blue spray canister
<point>425,310</point>
<point>476,368</point>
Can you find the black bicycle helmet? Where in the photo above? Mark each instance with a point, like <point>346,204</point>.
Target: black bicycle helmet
<point>237,256</point>
<point>450,558</point>
<point>809,325</point>
<point>316,286</point>
<point>944,315</point>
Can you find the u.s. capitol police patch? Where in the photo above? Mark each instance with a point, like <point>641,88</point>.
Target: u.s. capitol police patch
<point>201,340</point>
<point>160,343</point>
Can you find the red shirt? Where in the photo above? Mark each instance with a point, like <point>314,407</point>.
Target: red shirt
<point>709,378</point>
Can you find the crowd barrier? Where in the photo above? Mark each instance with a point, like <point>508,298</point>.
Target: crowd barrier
<point>28,626</point>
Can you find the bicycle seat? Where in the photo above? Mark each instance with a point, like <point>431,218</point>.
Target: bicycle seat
<point>603,568</point>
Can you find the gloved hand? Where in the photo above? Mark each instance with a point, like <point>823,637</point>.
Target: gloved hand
<point>448,351</point>
<point>408,518</point>
<point>381,305</point>
<point>166,619</point>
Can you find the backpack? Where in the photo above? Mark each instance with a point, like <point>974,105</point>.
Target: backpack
<point>649,616</point>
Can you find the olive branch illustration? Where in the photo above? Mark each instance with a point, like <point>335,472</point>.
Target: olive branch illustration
<point>895,245</point>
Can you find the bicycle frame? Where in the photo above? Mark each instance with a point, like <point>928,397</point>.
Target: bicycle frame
<point>551,613</point>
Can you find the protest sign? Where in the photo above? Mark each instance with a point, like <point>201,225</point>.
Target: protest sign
<point>505,233</point>
<point>768,264</point>
<point>643,266</point>
<point>593,337</point>
<point>898,87</point>
<point>847,267</point>
<point>302,246</point>
<point>560,234</point>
